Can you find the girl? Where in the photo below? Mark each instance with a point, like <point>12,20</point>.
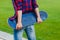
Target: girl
<point>25,6</point>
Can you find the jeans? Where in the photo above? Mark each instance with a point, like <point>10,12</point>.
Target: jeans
<point>30,32</point>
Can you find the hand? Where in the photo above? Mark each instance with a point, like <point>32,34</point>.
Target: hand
<point>19,26</point>
<point>39,20</point>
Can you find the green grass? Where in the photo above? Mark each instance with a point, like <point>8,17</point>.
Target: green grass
<point>48,30</point>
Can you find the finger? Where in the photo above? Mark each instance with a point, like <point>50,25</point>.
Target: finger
<point>18,28</point>
<point>39,21</point>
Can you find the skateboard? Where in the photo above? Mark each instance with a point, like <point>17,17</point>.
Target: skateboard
<point>28,19</point>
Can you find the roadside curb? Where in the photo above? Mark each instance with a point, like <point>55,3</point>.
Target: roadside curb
<point>7,36</point>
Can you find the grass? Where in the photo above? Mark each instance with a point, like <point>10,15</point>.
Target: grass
<point>48,30</point>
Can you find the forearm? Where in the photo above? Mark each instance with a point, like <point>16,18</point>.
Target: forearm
<point>39,20</point>
<point>19,17</point>
<point>37,12</point>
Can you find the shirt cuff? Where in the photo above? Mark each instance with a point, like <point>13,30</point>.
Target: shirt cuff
<point>36,6</point>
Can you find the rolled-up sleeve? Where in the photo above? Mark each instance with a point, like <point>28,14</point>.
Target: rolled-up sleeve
<point>18,4</point>
<point>35,5</point>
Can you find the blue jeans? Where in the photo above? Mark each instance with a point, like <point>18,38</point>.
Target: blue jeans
<point>29,31</point>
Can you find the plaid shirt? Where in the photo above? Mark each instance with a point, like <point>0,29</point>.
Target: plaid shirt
<point>24,5</point>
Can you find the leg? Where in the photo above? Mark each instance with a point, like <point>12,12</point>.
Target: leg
<point>30,32</point>
<point>18,34</point>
